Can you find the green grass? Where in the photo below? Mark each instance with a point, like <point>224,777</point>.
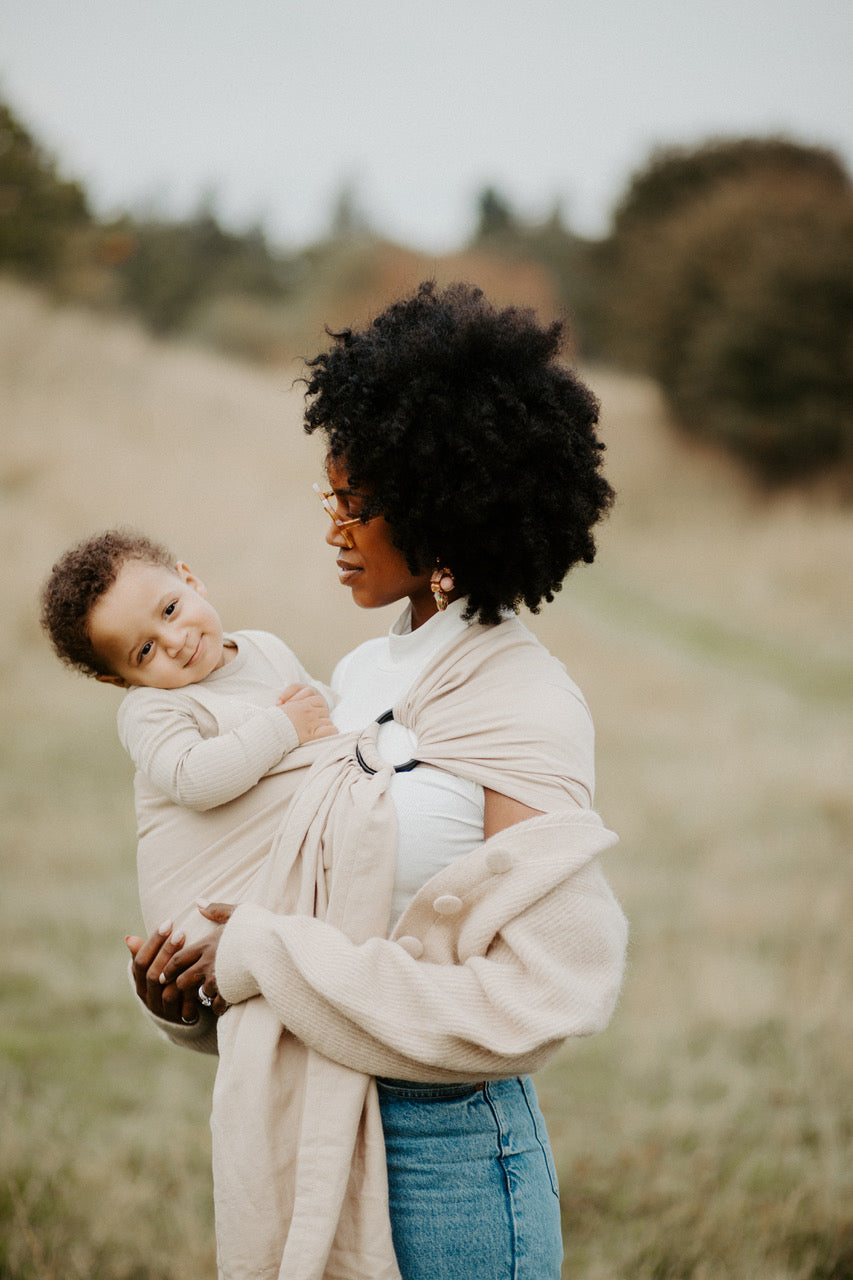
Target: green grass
<point>104,1149</point>
<point>725,1157</point>
<point>678,626</point>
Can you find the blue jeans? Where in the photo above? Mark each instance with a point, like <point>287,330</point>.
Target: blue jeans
<point>471,1180</point>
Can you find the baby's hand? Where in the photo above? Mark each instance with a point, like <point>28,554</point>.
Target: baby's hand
<point>308,712</point>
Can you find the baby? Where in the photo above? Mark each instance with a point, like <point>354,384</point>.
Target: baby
<point>219,726</point>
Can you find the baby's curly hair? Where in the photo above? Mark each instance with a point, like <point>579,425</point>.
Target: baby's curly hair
<point>471,438</point>
<point>75,585</point>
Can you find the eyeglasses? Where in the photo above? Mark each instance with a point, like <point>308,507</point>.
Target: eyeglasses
<point>327,497</point>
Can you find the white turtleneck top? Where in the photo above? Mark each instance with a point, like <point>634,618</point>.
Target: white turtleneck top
<point>439,816</point>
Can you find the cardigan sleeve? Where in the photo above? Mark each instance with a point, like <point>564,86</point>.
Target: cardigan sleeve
<point>552,971</point>
<point>164,741</point>
<point>200,1036</point>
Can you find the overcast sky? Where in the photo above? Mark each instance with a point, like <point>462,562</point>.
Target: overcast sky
<point>274,105</point>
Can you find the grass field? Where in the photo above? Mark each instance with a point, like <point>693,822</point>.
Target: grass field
<point>708,1133</point>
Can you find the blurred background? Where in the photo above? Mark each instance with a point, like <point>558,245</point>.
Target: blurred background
<point>188,196</point>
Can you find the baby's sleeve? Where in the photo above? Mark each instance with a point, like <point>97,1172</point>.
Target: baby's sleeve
<point>163,737</point>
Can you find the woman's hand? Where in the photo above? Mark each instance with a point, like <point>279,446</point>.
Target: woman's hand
<point>163,999</point>
<point>192,970</point>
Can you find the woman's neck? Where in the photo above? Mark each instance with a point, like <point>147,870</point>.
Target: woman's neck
<point>424,607</point>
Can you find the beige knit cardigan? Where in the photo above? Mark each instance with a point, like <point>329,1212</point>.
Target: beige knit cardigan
<point>498,959</point>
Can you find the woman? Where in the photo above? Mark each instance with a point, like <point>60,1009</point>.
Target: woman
<point>434,923</point>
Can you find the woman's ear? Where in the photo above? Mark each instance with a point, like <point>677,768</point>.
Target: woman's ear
<point>116,680</point>
<point>186,575</point>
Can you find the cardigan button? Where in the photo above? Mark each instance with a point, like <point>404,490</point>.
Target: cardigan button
<point>498,861</point>
<point>414,946</point>
<point>447,904</point>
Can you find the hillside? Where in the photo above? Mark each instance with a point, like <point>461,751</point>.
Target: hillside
<point>712,638</point>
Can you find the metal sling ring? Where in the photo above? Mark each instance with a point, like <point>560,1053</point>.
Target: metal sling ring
<point>398,768</point>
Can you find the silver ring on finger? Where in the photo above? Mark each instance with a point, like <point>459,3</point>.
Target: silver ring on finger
<point>204,998</point>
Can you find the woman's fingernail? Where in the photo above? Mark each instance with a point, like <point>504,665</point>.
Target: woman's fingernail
<point>177,938</point>
<point>203,903</point>
<point>165,928</point>
<point>163,979</point>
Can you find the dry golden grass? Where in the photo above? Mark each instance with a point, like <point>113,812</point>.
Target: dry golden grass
<point>707,1134</point>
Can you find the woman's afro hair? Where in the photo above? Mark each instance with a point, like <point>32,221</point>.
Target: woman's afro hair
<point>463,428</point>
<point>75,585</point>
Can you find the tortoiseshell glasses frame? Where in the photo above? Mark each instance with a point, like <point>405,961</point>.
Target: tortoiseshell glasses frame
<point>327,497</point>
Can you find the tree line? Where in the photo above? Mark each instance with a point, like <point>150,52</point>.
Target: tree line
<point>727,275</point>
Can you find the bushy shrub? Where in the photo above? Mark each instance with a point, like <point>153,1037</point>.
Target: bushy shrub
<point>740,302</point>
<point>764,362</point>
<point>676,177</point>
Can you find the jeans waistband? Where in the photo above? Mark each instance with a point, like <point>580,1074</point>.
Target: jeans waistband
<point>425,1089</point>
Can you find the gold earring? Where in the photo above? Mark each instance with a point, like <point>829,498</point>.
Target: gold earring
<point>441,584</point>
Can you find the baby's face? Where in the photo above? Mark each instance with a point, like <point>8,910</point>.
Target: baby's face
<point>154,627</point>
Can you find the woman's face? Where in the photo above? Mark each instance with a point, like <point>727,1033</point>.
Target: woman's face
<point>374,569</point>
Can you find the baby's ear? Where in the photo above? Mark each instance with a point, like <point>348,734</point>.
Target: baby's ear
<point>186,575</point>
<point>116,680</point>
